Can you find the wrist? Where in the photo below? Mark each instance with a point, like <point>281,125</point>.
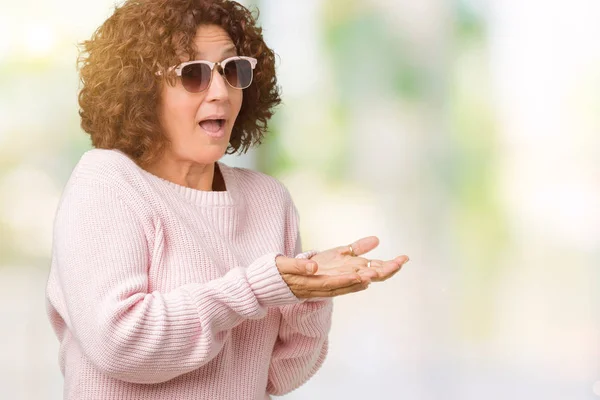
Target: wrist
<point>267,283</point>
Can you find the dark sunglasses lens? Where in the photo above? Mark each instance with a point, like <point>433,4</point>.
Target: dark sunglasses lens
<point>195,77</point>
<point>238,73</point>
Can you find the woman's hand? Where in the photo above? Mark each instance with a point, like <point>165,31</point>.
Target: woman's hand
<point>299,274</point>
<point>337,271</point>
<point>345,259</point>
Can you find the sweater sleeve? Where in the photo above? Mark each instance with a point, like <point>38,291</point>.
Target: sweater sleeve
<point>102,256</point>
<point>302,343</point>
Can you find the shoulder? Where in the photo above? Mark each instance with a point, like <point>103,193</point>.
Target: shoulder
<point>105,184</point>
<point>103,175</point>
<point>105,166</point>
<point>257,184</point>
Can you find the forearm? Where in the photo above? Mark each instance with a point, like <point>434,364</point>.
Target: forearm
<point>153,337</point>
<point>302,345</point>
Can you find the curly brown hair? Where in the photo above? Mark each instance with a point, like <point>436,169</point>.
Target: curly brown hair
<point>118,70</point>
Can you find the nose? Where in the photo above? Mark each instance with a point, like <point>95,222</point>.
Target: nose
<point>218,89</point>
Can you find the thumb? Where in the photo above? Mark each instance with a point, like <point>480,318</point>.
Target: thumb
<point>296,266</point>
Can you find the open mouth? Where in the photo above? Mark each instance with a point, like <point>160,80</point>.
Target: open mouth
<point>212,125</point>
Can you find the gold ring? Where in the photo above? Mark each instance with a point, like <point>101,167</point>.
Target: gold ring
<point>369,264</point>
<point>352,253</point>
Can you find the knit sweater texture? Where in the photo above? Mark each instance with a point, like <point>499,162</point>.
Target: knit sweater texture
<point>160,291</point>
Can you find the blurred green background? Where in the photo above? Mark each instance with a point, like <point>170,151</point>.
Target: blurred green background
<point>463,133</point>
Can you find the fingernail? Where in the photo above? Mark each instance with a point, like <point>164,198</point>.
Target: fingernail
<point>310,268</point>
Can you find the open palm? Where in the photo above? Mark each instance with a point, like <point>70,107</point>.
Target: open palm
<point>339,260</point>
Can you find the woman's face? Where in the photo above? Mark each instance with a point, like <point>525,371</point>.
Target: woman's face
<point>184,115</point>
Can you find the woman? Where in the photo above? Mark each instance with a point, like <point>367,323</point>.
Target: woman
<point>175,276</point>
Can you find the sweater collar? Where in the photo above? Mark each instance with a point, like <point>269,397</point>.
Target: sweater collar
<point>230,197</point>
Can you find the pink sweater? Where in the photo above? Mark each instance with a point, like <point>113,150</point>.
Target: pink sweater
<point>159,291</point>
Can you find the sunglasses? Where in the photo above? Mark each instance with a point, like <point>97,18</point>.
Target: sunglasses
<point>196,76</point>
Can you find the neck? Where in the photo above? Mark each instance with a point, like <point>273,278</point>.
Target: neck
<point>205,177</point>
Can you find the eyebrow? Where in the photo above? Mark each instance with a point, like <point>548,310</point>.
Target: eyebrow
<point>229,49</point>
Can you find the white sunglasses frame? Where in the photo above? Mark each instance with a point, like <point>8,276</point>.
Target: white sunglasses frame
<point>221,64</point>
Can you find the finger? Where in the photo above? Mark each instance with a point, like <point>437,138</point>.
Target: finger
<point>394,273</point>
<point>375,271</point>
<point>388,269</point>
<point>361,246</point>
<point>369,274</point>
<point>338,292</point>
<point>296,266</point>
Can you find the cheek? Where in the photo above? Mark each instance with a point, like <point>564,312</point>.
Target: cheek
<point>177,109</point>
<point>236,101</point>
